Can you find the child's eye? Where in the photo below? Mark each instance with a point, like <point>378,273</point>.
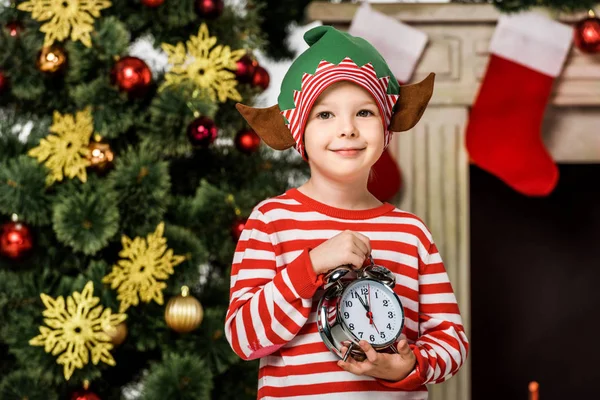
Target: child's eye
<point>365,113</point>
<point>324,115</point>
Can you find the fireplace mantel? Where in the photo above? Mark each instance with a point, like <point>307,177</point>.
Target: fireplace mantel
<point>433,159</point>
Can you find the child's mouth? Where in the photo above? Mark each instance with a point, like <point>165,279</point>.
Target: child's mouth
<point>348,153</point>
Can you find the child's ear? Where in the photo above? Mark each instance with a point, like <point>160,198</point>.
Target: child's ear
<point>268,123</point>
<point>411,104</point>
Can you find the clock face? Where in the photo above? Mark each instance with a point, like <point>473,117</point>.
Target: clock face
<point>372,312</point>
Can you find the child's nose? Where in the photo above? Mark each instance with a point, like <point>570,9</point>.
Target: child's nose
<point>348,127</point>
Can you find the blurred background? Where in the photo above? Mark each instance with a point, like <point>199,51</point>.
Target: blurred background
<point>126,176</point>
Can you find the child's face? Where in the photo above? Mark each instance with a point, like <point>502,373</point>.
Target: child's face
<point>345,116</point>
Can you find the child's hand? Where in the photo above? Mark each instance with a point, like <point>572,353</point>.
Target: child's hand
<point>392,367</point>
<point>347,247</point>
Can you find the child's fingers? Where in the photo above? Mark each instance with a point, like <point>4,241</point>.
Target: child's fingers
<point>353,366</point>
<point>403,348</point>
<point>370,352</point>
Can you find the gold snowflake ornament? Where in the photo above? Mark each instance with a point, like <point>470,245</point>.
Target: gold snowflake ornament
<point>207,66</point>
<point>65,152</point>
<point>144,265</point>
<point>77,329</point>
<point>64,17</point>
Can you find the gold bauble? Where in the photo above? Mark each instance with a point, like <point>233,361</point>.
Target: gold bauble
<point>51,59</point>
<point>100,154</point>
<point>183,312</point>
<point>117,333</point>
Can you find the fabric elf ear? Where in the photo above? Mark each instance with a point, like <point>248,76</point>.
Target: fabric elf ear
<point>411,104</point>
<point>269,125</point>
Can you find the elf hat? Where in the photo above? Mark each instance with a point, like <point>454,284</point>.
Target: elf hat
<point>335,56</point>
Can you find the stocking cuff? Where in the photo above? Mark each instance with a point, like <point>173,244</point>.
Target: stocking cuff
<point>400,45</point>
<point>532,40</point>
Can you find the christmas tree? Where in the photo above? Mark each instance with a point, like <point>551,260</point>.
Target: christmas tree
<point>126,175</point>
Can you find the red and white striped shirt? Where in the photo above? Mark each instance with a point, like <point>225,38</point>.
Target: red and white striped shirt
<point>275,292</point>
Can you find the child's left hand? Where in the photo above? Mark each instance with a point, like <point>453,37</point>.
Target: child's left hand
<point>392,367</point>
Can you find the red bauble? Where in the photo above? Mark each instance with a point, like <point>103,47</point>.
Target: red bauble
<point>15,240</point>
<point>14,28</point>
<point>209,9</point>
<point>237,228</point>
<point>85,395</point>
<point>202,131</point>
<point>261,78</point>
<point>587,34</point>
<point>3,82</point>
<point>152,3</point>
<point>244,72</point>
<point>247,141</point>
<point>131,75</point>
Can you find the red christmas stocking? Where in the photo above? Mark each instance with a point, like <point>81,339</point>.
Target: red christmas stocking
<point>386,179</point>
<point>401,46</point>
<point>503,135</point>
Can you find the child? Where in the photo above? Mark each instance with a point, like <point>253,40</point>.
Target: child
<point>340,102</point>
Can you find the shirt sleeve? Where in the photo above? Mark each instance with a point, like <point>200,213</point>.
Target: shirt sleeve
<point>442,346</point>
<point>268,303</point>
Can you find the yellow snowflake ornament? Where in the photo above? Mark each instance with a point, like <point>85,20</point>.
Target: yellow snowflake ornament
<point>206,66</point>
<point>77,330</point>
<point>64,16</point>
<point>66,151</point>
<point>145,264</point>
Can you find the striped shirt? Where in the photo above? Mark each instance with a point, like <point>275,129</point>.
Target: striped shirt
<point>274,294</point>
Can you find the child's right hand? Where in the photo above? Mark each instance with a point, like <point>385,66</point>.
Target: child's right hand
<point>345,248</point>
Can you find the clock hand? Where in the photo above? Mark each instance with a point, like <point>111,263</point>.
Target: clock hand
<point>362,302</point>
<point>370,313</point>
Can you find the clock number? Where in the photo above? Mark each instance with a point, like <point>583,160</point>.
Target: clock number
<point>382,335</point>
<point>386,303</point>
<point>376,295</point>
<point>351,326</point>
<point>364,291</point>
<point>361,334</point>
<point>389,326</point>
<point>353,295</point>
<point>349,303</point>
<point>390,314</point>
<point>372,338</point>
<point>346,315</point>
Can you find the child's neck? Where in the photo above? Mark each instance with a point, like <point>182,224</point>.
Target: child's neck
<point>340,195</point>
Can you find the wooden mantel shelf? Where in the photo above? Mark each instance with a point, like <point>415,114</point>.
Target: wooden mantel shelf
<point>459,35</point>
<point>342,13</point>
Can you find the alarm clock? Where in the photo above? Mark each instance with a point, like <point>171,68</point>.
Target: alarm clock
<point>364,308</point>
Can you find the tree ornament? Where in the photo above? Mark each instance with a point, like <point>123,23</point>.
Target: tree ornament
<point>209,9</point>
<point>184,312</point>
<point>16,240</point>
<point>76,330</point>
<point>14,28</point>
<point>587,34</point>
<point>206,66</point>
<point>66,151</point>
<point>261,78</point>
<point>3,82</point>
<point>85,394</point>
<point>131,75</point>
<point>100,155</point>
<point>247,141</point>
<point>64,16</point>
<point>152,3</point>
<point>144,266</point>
<point>237,228</point>
<point>245,67</point>
<point>117,333</point>
<point>202,131</point>
<point>51,60</point>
